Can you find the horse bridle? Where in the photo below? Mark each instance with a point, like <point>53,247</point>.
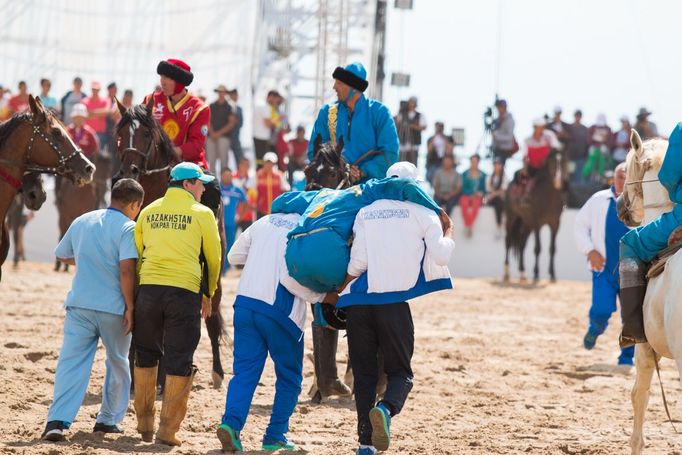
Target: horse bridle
<point>657,205</point>
<point>60,169</point>
<point>145,155</point>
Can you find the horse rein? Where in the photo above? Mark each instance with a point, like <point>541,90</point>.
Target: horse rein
<point>34,167</point>
<point>145,155</point>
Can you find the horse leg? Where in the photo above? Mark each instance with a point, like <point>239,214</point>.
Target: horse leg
<point>538,249</point>
<point>522,265</point>
<point>505,277</point>
<point>552,251</point>
<point>645,359</point>
<point>215,326</point>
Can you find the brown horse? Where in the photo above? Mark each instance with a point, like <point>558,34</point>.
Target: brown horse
<point>32,196</point>
<point>147,155</point>
<point>35,142</point>
<point>547,199</point>
<point>73,201</point>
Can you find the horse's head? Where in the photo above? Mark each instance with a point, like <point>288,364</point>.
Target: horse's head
<point>143,146</point>
<point>643,196</point>
<point>32,188</point>
<point>327,169</point>
<point>50,148</point>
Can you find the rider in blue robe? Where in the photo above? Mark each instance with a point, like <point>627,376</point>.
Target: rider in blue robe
<point>364,124</point>
<point>642,244</point>
<point>318,250</point>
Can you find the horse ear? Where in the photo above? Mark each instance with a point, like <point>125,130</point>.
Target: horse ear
<point>636,141</point>
<point>121,108</point>
<point>150,104</point>
<point>317,144</point>
<point>36,108</point>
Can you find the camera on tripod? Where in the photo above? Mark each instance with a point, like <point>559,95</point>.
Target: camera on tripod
<point>488,119</point>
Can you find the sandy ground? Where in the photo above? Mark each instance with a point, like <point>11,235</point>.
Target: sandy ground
<point>498,369</point>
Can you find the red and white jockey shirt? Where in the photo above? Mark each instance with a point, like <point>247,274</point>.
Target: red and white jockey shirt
<point>86,139</point>
<point>186,124</point>
<point>537,150</point>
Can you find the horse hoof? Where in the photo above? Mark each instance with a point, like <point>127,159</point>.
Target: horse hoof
<point>552,280</point>
<point>317,398</point>
<point>505,279</point>
<point>217,380</point>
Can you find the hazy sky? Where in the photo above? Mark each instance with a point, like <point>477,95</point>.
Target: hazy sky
<point>610,56</point>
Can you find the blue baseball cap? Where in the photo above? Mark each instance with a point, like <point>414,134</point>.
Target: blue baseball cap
<point>186,171</point>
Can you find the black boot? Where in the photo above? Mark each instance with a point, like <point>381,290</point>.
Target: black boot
<point>631,302</point>
<point>632,280</point>
<point>325,342</point>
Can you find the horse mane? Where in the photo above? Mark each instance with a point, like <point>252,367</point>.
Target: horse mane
<point>8,127</point>
<point>327,154</point>
<point>141,114</point>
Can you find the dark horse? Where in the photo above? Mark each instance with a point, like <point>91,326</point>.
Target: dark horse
<point>35,142</point>
<point>544,204</point>
<point>147,155</point>
<point>329,169</point>
<point>32,196</point>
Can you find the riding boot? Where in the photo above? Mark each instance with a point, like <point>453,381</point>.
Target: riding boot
<point>632,292</point>
<point>324,354</point>
<point>145,401</point>
<point>174,408</point>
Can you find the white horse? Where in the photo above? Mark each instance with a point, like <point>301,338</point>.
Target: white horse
<point>646,199</point>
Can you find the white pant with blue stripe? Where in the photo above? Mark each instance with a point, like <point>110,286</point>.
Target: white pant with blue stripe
<point>82,330</point>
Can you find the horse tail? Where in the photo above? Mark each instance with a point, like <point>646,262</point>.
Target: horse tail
<point>517,233</point>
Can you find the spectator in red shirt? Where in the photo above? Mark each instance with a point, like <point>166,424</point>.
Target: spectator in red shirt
<point>298,152</point>
<point>82,134</point>
<point>270,183</point>
<point>98,109</point>
<point>19,102</point>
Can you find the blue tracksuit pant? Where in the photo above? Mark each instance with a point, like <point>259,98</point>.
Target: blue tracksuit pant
<point>82,330</point>
<point>605,289</point>
<point>256,335</point>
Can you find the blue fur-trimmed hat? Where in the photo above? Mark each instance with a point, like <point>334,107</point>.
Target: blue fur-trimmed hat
<point>353,75</point>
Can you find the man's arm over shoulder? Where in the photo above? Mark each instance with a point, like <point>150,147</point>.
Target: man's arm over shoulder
<point>398,189</point>
<point>439,247</point>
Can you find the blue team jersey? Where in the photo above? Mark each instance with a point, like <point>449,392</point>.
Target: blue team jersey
<point>232,195</point>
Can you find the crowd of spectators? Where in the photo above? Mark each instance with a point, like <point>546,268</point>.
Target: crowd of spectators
<point>593,152</point>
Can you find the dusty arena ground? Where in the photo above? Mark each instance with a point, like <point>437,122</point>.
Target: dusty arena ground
<point>498,369</point>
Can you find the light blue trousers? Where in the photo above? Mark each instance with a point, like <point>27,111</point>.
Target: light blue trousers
<point>82,330</point>
<point>256,336</point>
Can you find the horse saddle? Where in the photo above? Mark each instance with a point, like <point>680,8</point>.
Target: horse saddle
<point>658,263</point>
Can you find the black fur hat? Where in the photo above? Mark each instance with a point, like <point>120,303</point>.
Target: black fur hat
<point>177,70</point>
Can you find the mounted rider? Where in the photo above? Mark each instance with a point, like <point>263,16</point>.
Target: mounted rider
<point>639,246</point>
<point>185,119</point>
<point>366,126</point>
<point>538,145</point>
<point>183,116</point>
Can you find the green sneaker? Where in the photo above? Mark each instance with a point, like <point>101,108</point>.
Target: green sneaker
<point>270,444</point>
<point>229,438</point>
<point>380,419</point>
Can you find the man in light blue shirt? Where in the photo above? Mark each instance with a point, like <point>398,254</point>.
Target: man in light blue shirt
<point>99,305</point>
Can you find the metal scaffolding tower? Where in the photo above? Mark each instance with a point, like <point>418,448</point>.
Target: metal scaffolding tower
<point>301,42</point>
